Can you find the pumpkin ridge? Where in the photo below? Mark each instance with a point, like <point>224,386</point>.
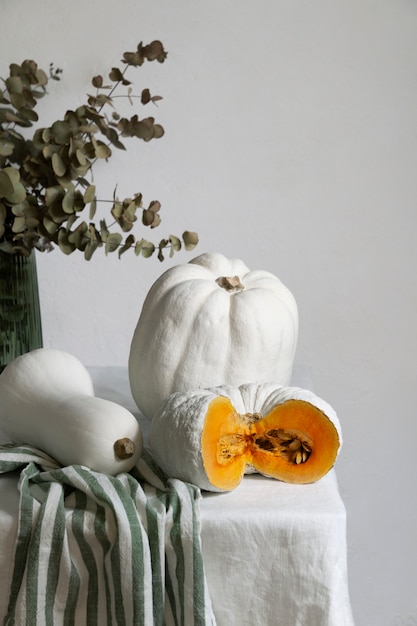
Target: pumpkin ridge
<point>185,362</point>
<point>249,335</point>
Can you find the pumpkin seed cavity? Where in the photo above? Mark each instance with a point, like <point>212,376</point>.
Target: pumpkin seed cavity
<point>293,446</point>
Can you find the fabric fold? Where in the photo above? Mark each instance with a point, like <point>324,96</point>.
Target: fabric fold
<point>96,549</point>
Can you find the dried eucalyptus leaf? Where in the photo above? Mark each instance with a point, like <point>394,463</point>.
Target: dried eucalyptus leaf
<point>94,234</point>
<point>147,217</point>
<point>113,137</point>
<point>102,151</point>
<point>19,224</point>
<point>71,221</point>
<point>81,158</point>
<point>14,84</point>
<point>104,231</point>
<point>61,132</point>
<point>46,135</point>
<point>175,244</point>
<point>138,247</point>
<point>116,75</point>
<point>97,81</point>
<point>112,242</point>
<point>50,226</point>
<point>100,100</point>
<point>32,222</point>
<point>93,208</point>
<point>133,58</point>
<point>79,237</point>
<point>18,194</point>
<point>147,249</point>
<point>156,221</point>
<point>49,150</point>
<point>190,239</point>
<point>117,209</point>
<point>58,165</point>
<point>89,194</point>
<point>13,173</point>
<point>155,206</point>
<point>57,213</point>
<point>130,210</point>
<point>130,240</point>
<point>6,185</point>
<point>145,96</point>
<point>90,248</point>
<point>66,246</point>
<point>41,77</point>
<point>68,201</point>
<point>54,195</point>
<point>158,131</point>
<point>155,51</point>
<point>11,117</point>
<point>29,115</point>
<point>18,100</point>
<point>19,209</point>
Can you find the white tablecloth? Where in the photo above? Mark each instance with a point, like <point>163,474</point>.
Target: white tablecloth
<point>275,554</point>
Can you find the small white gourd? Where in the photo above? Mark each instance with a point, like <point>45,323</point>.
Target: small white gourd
<point>47,401</point>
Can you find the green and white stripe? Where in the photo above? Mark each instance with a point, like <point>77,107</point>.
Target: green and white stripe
<point>93,549</point>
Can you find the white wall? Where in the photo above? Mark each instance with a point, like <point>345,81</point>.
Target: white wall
<point>291,142</point>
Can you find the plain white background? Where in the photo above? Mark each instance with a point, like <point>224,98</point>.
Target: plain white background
<point>291,143</point>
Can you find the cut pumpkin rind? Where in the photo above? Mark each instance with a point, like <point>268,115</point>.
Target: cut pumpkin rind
<point>213,437</point>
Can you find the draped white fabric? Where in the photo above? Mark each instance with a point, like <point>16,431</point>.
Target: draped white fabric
<point>274,554</point>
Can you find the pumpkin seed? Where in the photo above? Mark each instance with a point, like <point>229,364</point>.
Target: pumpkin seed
<point>290,445</point>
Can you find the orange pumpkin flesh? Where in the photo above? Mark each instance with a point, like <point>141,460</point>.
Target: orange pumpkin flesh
<point>296,443</point>
<point>222,420</point>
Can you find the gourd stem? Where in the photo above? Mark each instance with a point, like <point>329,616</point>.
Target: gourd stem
<point>230,283</point>
<point>124,448</point>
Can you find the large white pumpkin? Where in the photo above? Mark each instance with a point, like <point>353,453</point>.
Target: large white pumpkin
<point>211,322</point>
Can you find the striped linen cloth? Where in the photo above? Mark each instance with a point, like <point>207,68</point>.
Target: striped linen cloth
<point>92,549</point>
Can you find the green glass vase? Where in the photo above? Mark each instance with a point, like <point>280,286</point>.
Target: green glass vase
<point>20,315</point>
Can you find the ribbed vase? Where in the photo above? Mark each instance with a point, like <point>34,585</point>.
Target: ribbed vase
<point>20,315</point>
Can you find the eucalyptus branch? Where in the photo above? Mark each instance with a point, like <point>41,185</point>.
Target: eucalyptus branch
<point>44,188</point>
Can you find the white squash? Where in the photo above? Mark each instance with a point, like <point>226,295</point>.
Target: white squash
<point>210,322</point>
<point>47,401</point>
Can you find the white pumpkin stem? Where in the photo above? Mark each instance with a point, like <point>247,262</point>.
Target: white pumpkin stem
<point>124,448</point>
<point>230,283</point>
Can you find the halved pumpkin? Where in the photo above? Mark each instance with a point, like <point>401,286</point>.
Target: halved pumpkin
<point>213,437</point>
